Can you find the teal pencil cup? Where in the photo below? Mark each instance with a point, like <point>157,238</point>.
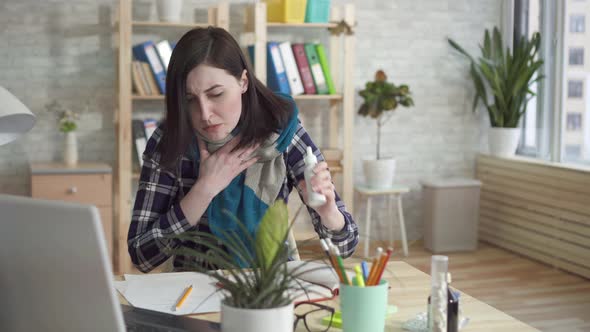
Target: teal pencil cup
<point>364,308</point>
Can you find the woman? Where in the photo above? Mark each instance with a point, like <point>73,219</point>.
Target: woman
<point>228,143</point>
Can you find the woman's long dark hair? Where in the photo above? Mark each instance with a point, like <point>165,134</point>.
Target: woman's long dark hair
<point>263,112</point>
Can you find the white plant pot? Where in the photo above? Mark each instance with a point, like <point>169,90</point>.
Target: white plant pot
<point>503,141</point>
<point>169,10</point>
<point>70,154</point>
<point>256,320</point>
<point>379,173</point>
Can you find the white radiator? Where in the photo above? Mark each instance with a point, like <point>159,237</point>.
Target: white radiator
<point>537,209</point>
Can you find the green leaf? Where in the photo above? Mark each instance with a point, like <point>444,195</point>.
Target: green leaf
<point>480,92</point>
<point>364,110</point>
<point>497,45</point>
<point>388,103</point>
<point>460,49</point>
<point>486,51</point>
<point>271,231</point>
<point>407,102</point>
<point>495,116</point>
<point>491,75</point>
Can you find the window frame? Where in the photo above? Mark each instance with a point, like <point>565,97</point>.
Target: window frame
<point>550,91</point>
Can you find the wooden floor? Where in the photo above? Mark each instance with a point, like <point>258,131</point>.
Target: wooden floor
<point>546,298</point>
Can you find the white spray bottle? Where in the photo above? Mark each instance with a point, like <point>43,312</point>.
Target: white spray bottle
<point>313,199</point>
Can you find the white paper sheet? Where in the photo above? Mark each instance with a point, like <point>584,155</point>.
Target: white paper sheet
<point>161,292</point>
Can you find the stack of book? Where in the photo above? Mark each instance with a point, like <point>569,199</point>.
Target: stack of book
<point>297,69</point>
<point>149,67</point>
<point>142,130</point>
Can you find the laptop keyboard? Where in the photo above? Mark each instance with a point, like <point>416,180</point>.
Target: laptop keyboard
<point>140,327</point>
<point>142,320</point>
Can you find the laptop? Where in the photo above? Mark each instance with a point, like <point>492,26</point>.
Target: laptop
<point>55,274</point>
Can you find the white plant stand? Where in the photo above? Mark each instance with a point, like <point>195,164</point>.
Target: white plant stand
<point>394,194</point>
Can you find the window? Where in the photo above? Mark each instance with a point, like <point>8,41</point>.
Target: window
<point>556,125</point>
<point>526,24</point>
<point>575,88</point>
<point>572,152</point>
<point>574,121</point>
<point>577,23</point>
<point>576,56</point>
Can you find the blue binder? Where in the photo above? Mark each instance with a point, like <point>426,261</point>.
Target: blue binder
<point>147,52</point>
<point>276,77</point>
<point>251,56</point>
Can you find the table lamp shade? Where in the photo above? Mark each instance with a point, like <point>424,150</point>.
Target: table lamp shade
<point>15,117</point>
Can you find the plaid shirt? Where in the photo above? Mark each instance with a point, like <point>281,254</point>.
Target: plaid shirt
<point>157,211</point>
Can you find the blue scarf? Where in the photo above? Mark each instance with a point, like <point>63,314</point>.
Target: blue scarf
<point>249,194</point>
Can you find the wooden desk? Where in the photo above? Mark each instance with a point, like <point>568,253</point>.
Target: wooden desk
<point>409,292</point>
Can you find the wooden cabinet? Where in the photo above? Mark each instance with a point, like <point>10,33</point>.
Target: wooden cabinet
<point>87,183</point>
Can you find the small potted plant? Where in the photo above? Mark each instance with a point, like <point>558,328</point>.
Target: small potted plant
<point>503,81</point>
<point>68,123</point>
<point>258,298</point>
<point>380,97</point>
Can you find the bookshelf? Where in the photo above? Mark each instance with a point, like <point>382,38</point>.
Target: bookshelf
<point>341,105</point>
<point>218,15</point>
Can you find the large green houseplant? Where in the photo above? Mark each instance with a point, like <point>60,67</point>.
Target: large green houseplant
<point>263,292</point>
<point>503,80</point>
<point>380,99</point>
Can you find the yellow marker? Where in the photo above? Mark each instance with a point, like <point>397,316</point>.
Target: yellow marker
<point>187,292</point>
<point>359,276</point>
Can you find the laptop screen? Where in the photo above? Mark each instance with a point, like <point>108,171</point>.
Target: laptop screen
<point>56,274</point>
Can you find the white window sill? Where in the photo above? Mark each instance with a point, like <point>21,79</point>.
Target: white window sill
<point>536,161</point>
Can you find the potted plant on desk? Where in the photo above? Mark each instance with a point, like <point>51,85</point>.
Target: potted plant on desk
<point>258,298</point>
<point>503,81</point>
<point>379,97</point>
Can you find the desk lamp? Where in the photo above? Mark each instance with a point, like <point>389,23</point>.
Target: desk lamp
<point>15,118</point>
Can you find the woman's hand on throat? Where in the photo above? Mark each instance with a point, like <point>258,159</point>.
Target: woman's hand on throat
<point>218,169</point>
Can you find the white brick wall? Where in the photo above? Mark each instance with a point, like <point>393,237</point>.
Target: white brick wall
<point>63,50</point>
<point>440,135</point>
